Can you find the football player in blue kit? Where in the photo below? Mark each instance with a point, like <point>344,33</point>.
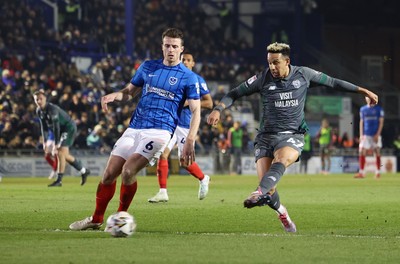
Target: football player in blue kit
<point>164,85</point>
<point>179,139</point>
<point>371,123</point>
<point>280,139</point>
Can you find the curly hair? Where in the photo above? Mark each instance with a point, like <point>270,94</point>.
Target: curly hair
<point>279,48</point>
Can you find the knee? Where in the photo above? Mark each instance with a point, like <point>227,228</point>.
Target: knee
<point>128,176</point>
<point>285,161</point>
<point>164,155</point>
<point>108,177</point>
<point>61,156</point>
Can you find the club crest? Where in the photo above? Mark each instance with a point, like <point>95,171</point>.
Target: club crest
<point>172,80</point>
<point>296,84</point>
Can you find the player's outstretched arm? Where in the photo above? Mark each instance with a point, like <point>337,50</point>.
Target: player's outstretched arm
<point>244,89</point>
<point>126,94</point>
<point>374,97</point>
<point>326,80</point>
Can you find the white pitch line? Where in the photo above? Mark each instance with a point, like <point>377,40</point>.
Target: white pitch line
<point>240,234</point>
<point>283,235</point>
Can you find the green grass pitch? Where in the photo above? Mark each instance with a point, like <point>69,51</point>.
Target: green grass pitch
<point>339,220</point>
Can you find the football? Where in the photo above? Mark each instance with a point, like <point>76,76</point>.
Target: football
<point>121,224</point>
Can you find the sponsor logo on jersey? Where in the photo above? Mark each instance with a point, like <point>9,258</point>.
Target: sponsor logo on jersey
<point>159,91</point>
<point>287,100</point>
<point>273,87</point>
<point>252,79</point>
<point>287,103</point>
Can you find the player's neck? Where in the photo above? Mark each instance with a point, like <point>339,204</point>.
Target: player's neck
<point>286,74</point>
<point>171,63</point>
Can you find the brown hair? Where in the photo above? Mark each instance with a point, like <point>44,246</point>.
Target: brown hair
<point>39,91</point>
<point>173,33</point>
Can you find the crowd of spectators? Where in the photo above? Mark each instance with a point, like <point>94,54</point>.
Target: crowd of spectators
<point>33,55</point>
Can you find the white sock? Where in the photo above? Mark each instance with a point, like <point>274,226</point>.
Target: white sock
<point>83,170</point>
<point>163,190</point>
<point>282,211</point>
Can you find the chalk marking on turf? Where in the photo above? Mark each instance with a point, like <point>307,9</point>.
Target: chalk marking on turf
<point>234,234</point>
<point>283,235</point>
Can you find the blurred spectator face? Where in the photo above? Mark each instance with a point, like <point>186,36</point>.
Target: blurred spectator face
<point>25,74</point>
<point>75,98</point>
<point>120,128</point>
<point>97,129</point>
<point>40,100</point>
<point>188,61</point>
<point>60,85</point>
<point>6,73</point>
<point>7,126</point>
<point>325,123</point>
<point>3,143</point>
<point>29,23</point>
<point>84,117</point>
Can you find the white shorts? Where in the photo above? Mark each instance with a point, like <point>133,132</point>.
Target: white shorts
<point>367,142</point>
<point>178,138</point>
<point>149,143</point>
<point>49,143</point>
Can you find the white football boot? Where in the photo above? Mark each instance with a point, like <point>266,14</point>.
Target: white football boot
<point>84,224</point>
<point>160,197</point>
<point>203,189</point>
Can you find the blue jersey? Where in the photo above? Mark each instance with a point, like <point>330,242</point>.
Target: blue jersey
<point>50,135</point>
<point>186,114</point>
<point>165,89</point>
<point>370,117</point>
